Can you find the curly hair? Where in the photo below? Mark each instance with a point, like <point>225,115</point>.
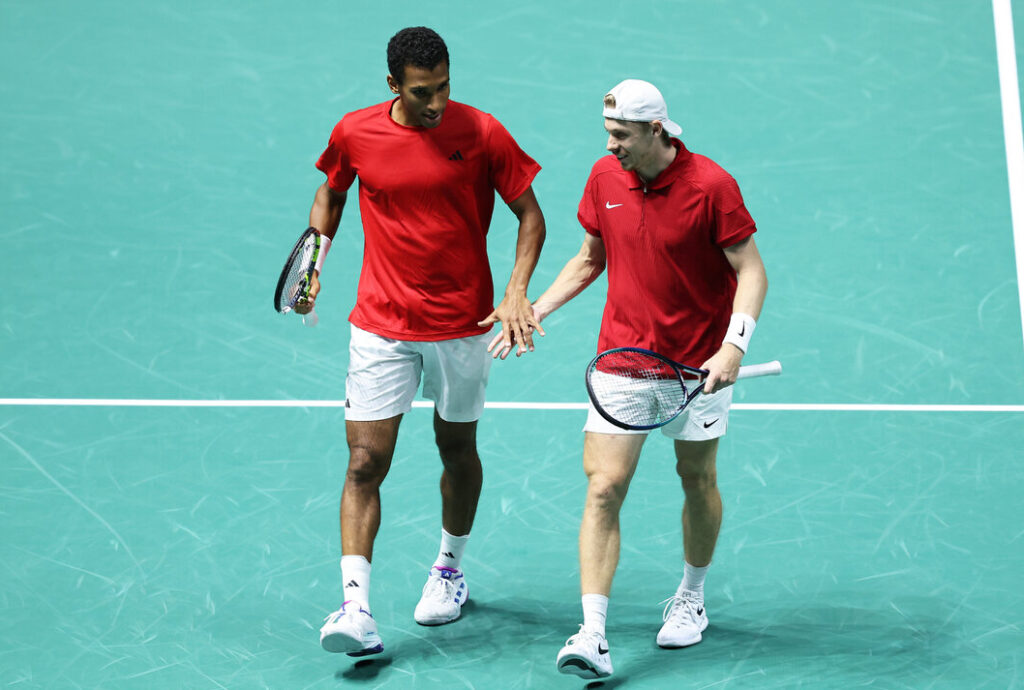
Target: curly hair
<point>417,46</point>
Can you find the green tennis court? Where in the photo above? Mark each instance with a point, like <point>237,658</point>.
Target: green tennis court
<point>172,450</point>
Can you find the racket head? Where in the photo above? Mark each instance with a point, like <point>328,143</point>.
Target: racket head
<point>294,282</point>
<point>637,389</point>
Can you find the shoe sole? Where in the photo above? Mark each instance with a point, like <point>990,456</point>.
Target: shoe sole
<point>578,666</point>
<point>337,643</point>
<point>687,643</point>
<point>435,623</point>
<point>439,621</point>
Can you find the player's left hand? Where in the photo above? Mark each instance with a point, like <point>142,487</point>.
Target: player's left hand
<point>306,304</point>
<point>723,368</point>
<point>518,322</point>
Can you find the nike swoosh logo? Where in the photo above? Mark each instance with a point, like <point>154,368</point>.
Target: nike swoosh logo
<point>700,611</point>
<point>710,424</point>
<point>602,649</point>
<point>743,329</point>
<point>609,205</point>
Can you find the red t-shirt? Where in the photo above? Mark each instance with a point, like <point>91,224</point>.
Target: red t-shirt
<point>670,286</point>
<point>426,198</point>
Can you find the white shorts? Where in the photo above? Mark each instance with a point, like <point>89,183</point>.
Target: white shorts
<point>707,417</point>
<point>384,375</point>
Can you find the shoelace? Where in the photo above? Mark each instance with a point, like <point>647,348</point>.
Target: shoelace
<point>439,588</point>
<point>339,613</point>
<point>582,635</point>
<point>676,606</point>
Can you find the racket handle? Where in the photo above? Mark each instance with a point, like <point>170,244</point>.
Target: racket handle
<point>310,319</point>
<point>766,369</point>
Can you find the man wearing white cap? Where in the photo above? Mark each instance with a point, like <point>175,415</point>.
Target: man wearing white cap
<point>685,279</point>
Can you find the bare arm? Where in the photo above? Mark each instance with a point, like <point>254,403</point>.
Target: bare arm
<point>751,287</point>
<point>514,311</point>
<point>325,216</point>
<point>579,272</point>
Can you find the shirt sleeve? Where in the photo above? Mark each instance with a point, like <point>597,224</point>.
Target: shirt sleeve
<point>732,221</point>
<point>511,170</point>
<point>587,213</point>
<point>335,162</point>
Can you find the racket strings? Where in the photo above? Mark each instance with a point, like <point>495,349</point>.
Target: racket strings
<point>296,281</point>
<point>636,389</point>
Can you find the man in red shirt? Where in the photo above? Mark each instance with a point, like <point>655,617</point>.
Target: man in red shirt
<point>428,171</point>
<point>685,279</point>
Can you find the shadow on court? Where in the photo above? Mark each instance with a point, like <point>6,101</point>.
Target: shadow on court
<point>365,670</point>
<point>817,644</point>
<point>492,631</point>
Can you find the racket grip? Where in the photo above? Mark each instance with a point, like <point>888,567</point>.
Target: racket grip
<point>766,369</point>
<point>310,319</point>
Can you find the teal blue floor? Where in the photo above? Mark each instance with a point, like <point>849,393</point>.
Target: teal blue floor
<point>156,163</point>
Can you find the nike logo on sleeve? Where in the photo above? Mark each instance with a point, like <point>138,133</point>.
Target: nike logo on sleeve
<point>610,205</point>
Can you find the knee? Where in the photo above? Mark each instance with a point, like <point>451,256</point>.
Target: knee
<point>699,479</point>
<point>458,454</point>
<point>366,466</point>
<point>606,492</point>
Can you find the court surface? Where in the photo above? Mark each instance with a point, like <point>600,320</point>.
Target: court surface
<point>156,163</point>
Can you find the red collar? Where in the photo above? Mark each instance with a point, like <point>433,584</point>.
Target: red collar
<point>669,174</point>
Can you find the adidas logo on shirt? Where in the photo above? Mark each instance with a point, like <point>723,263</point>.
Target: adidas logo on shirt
<point>457,156</point>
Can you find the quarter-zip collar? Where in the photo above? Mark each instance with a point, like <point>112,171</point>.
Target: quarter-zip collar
<point>666,176</point>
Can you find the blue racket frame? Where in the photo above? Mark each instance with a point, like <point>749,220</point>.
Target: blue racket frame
<point>680,369</point>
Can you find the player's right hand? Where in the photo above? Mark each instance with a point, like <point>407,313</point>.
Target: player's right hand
<point>501,345</point>
<point>306,304</point>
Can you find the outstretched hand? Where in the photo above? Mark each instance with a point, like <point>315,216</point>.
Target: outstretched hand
<point>519,319</point>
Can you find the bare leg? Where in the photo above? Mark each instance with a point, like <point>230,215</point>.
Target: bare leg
<point>609,461</point>
<point>371,446</point>
<point>462,477</point>
<point>702,509</point>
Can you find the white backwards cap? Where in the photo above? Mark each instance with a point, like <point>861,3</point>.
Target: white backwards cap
<point>640,101</point>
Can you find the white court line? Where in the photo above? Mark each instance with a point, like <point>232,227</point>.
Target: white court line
<point>787,407</point>
<point>1009,91</point>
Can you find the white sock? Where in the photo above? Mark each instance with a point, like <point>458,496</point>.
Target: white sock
<point>595,611</point>
<point>693,579</point>
<point>452,548</point>
<point>355,573</point>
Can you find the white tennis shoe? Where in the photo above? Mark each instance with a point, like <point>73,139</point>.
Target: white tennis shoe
<point>585,654</point>
<point>351,629</point>
<point>685,620</point>
<point>443,597</point>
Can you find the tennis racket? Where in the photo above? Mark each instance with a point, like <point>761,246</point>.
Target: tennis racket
<point>297,274</point>
<point>638,389</point>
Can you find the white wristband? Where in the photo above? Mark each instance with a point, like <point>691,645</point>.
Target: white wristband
<point>325,245</point>
<point>741,327</point>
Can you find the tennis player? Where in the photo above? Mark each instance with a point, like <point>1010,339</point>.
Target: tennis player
<point>685,279</point>
<point>428,170</point>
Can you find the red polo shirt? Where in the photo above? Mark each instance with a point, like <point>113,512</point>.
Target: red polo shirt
<point>670,286</point>
<point>426,198</point>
